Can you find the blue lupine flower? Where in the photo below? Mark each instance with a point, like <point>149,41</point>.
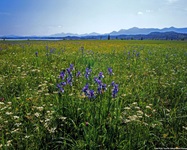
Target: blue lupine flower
<point>104,87</point>
<point>115,90</point>
<point>113,83</point>
<point>88,71</point>
<point>71,67</point>
<point>60,87</point>
<point>110,71</point>
<point>63,83</point>
<point>36,53</point>
<point>69,81</point>
<point>101,75</point>
<point>91,94</point>
<point>99,89</point>
<point>97,81</point>
<point>86,89</point>
<point>62,74</point>
<point>78,74</point>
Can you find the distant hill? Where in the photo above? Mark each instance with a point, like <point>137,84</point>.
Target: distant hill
<point>171,33</point>
<point>135,31</point>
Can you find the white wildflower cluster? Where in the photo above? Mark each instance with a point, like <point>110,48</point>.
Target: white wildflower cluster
<point>133,113</point>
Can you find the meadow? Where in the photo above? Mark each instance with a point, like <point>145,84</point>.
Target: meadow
<point>102,94</point>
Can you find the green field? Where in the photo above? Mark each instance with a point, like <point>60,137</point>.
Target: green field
<point>45,104</point>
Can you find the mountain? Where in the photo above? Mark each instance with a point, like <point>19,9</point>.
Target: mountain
<point>171,33</point>
<point>135,31</point>
<point>73,34</point>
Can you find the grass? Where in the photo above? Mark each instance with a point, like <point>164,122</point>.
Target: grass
<point>148,111</point>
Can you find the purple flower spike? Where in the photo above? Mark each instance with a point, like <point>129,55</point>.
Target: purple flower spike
<point>104,87</point>
<point>99,89</point>
<point>63,83</point>
<point>78,74</point>
<point>110,71</point>
<point>113,83</point>
<point>88,71</point>
<point>91,94</point>
<point>86,89</point>
<point>71,67</point>
<point>61,89</point>
<point>115,90</point>
<point>101,75</point>
<point>69,81</point>
<point>36,53</point>
<point>62,75</point>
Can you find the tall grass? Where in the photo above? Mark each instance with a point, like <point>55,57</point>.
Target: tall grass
<point>148,112</point>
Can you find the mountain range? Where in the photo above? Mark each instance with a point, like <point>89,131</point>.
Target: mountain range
<point>131,31</point>
<point>171,33</point>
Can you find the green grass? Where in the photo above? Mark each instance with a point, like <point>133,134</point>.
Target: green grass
<point>149,111</point>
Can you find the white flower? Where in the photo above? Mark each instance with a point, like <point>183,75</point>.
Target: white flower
<point>139,112</point>
<point>8,113</point>
<point>16,117</point>
<point>2,103</point>
<point>127,108</point>
<point>18,124</point>
<point>37,114</point>
<point>148,107</point>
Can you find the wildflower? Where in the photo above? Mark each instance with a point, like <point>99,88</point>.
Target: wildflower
<point>37,114</point>
<point>78,74</point>
<point>60,86</point>
<point>88,71</point>
<point>69,81</point>
<point>86,123</point>
<point>91,94</point>
<point>36,53</point>
<point>115,90</point>
<point>97,81</point>
<point>99,89</point>
<point>62,74</point>
<point>71,67</point>
<point>86,89</point>
<point>110,71</point>
<point>104,87</point>
<point>113,83</point>
<point>101,75</point>
<point>69,72</point>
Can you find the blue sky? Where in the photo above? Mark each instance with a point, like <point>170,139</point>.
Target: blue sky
<point>46,17</point>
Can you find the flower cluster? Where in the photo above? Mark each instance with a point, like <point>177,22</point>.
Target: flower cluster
<point>90,93</point>
<point>68,76</point>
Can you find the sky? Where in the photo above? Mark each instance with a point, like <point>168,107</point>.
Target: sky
<point>47,17</point>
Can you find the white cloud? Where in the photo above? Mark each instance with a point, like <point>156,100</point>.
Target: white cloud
<point>140,13</point>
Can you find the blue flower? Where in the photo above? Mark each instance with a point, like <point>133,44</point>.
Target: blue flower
<point>36,53</point>
<point>87,74</point>
<point>69,80</point>
<point>78,74</point>
<point>110,71</point>
<point>113,83</point>
<point>91,94</point>
<point>101,75</point>
<point>115,90</point>
<point>60,86</point>
<point>71,67</point>
<point>86,89</point>
<point>62,74</point>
